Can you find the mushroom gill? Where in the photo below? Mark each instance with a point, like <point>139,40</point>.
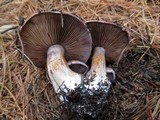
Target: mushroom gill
<point>45,29</point>
<point>110,36</point>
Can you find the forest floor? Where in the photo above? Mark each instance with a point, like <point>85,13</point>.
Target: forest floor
<point>25,92</point>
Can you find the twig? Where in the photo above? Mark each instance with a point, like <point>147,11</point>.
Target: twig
<point>149,112</point>
<point>27,58</point>
<point>12,28</point>
<point>156,108</point>
<point>5,2</point>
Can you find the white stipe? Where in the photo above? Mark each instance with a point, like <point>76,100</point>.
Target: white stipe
<point>60,74</point>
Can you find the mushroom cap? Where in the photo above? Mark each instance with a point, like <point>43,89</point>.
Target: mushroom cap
<point>112,37</point>
<point>47,28</point>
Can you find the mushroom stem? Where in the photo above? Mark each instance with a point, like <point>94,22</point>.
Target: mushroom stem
<point>98,66</point>
<point>61,76</point>
<point>72,62</point>
<point>83,69</point>
<point>98,71</point>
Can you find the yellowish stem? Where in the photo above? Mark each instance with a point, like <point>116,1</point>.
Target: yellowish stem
<point>59,73</point>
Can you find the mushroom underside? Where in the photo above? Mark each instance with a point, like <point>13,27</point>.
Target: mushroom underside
<point>48,28</point>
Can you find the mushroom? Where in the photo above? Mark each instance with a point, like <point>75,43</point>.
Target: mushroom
<point>109,43</point>
<point>52,38</point>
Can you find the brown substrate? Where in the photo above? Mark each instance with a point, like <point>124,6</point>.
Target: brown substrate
<point>25,92</point>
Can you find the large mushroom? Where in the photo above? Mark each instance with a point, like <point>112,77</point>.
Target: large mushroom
<point>51,39</point>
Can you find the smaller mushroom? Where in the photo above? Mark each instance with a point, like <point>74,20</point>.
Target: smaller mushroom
<point>50,39</point>
<point>109,43</point>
